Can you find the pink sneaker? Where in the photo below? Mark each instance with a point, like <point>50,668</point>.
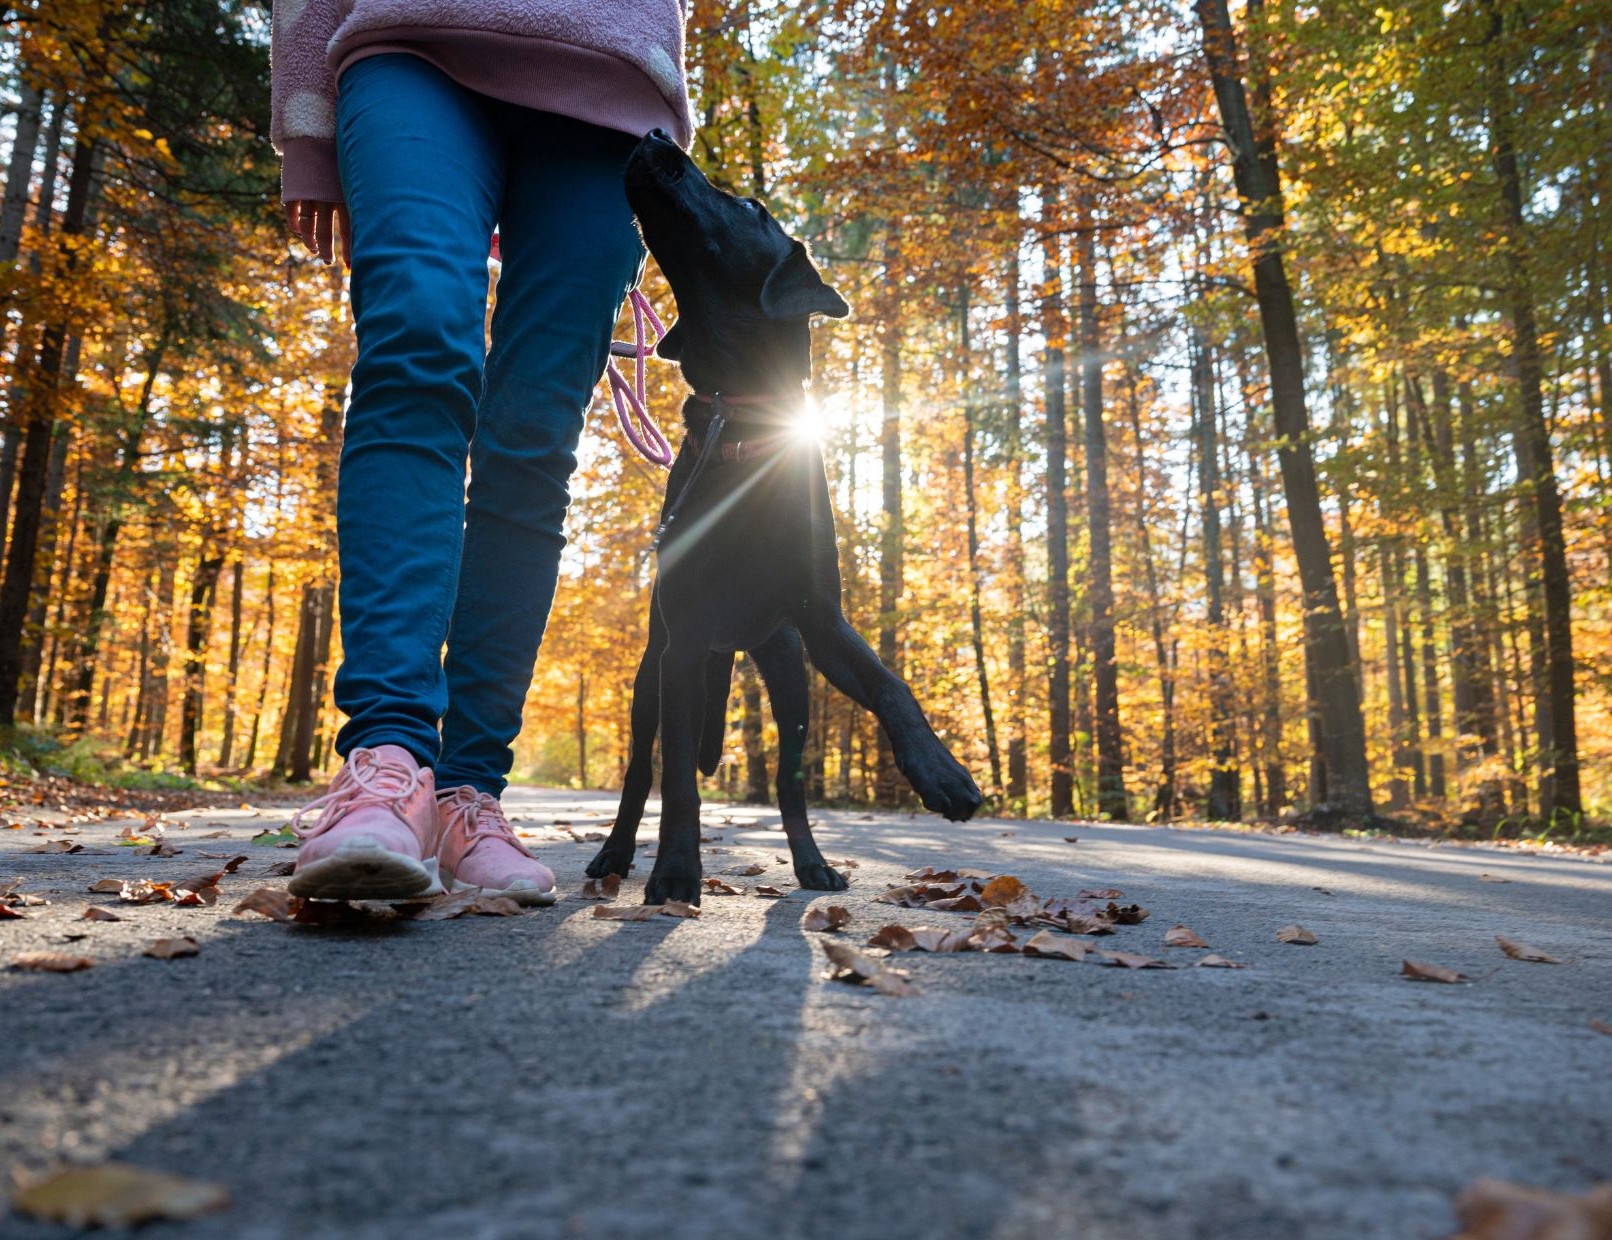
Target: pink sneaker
<point>478,849</point>
<point>376,835</point>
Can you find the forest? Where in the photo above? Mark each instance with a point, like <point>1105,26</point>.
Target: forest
<point>1223,429</point>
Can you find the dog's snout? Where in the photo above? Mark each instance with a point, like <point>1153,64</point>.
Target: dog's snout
<point>659,134</point>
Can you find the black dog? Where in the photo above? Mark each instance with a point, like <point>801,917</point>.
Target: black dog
<point>747,552</point>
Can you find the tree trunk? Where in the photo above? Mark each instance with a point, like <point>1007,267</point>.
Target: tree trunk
<point>1331,670</point>
<point>1111,803</point>
<point>1056,434</point>
<point>20,171</point>
<point>40,408</point>
<point>226,744</point>
<point>891,536</point>
<point>1275,791</point>
<point>1018,781</point>
<point>1224,802</point>
<point>203,590</point>
<point>1555,721</point>
<point>971,507</point>
<point>263,678</point>
<point>756,791</point>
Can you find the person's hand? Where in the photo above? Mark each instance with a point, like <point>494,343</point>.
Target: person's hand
<point>316,222</point>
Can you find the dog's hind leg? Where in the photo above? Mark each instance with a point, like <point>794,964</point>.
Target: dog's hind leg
<point>676,875</point>
<point>850,665</point>
<point>714,727</point>
<point>779,660</point>
<point>615,857</point>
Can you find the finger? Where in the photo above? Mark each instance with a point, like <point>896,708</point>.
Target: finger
<point>345,225</point>
<point>322,230</point>
<point>291,217</point>
<point>305,223</point>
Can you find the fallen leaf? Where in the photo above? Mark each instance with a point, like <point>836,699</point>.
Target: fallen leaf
<point>163,849</point>
<point>1218,962</point>
<point>117,1195</point>
<point>496,906</point>
<point>356,914</point>
<point>1416,971</point>
<point>1297,935</point>
<point>717,887</point>
<point>1003,890</point>
<point>169,949</point>
<point>58,846</point>
<point>449,905</point>
<point>969,903</point>
<point>7,912</point>
<point>1500,1210</point>
<point>677,908</point>
<point>605,888</point>
<point>847,964</point>
<point>745,871</point>
<point>95,912</point>
<point>142,891</point>
<point>1106,893</point>
<point>273,902</point>
<point>282,869</point>
<point>1521,951</point>
<point>1133,960</point>
<point>894,937</point>
<point>50,962</point>
<point>281,837</point>
<point>1077,923</point>
<point>1049,946</point>
<point>1492,878</point>
<point>897,985</point>
<point>106,885</point>
<point>1071,839</point>
<point>626,912</point>
<point>1128,915</point>
<point>826,918</point>
<point>770,892</point>
<point>1601,1026</point>
<point>1180,936</point>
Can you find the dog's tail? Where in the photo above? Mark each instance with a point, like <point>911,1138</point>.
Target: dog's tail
<point>714,728</point>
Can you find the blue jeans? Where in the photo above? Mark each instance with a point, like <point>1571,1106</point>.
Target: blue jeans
<point>429,168</point>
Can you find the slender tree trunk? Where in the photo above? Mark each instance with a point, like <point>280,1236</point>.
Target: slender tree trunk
<point>20,170</point>
<point>1224,802</point>
<point>1056,332</point>
<point>971,507</point>
<point>1111,801</point>
<point>891,536</point>
<point>582,731</point>
<point>226,744</point>
<point>756,791</point>
<point>1017,750</point>
<point>1275,791</point>
<point>31,695</point>
<point>263,676</point>
<point>39,413</point>
<point>1555,720</point>
<point>1343,737</point>
<point>203,590</point>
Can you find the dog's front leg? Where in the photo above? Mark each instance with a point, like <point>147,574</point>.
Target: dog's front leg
<point>783,670</point>
<point>676,875</point>
<point>615,856</point>
<point>940,781</point>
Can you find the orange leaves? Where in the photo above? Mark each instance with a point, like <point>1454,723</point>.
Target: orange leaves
<point>116,1195</point>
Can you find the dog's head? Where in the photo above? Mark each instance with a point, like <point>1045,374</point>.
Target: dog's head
<point>745,289</point>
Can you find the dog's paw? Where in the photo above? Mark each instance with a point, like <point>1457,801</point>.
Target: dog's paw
<point>611,859</point>
<point>673,880</point>
<point>945,787</point>
<point>820,876</point>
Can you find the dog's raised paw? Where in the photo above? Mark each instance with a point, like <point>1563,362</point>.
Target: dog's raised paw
<point>610,860</point>
<point>946,788</point>
<point>820,876</point>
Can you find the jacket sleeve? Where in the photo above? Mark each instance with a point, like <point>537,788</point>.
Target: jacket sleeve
<point>303,89</point>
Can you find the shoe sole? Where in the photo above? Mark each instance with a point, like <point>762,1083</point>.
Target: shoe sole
<point>521,895</point>
<point>363,870</point>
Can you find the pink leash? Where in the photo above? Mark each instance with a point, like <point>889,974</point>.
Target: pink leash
<point>637,425</point>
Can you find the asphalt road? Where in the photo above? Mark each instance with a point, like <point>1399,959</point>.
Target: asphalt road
<point>554,1074</point>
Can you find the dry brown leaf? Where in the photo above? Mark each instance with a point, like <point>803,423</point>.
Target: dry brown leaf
<point>117,1195</point>
<point>282,869</point>
<point>449,905</point>
<point>1297,935</point>
<point>969,903</point>
<point>894,937</point>
<point>1071,839</point>
<point>626,912</point>
<point>1219,962</point>
<point>1521,951</point>
<point>273,902</point>
<point>847,964</point>
<point>715,886</point>
<point>826,918</point>
<point>677,908</point>
<point>1003,890</point>
<point>142,891</point>
<point>58,846</point>
<point>169,949</point>
<point>105,885</point>
<point>1417,971</point>
<point>51,962</point>
<point>95,912</point>
<point>897,985</point>
<point>1105,893</point>
<point>1492,878</point>
<point>1049,946</point>
<point>1180,936</point>
<point>1126,915</point>
<point>770,892</point>
<point>1077,923</point>
<point>1133,960</point>
<point>1601,1026</point>
<point>1500,1210</point>
<point>745,871</point>
<point>342,913</point>
<point>606,888</point>
<point>9,913</point>
<point>929,874</point>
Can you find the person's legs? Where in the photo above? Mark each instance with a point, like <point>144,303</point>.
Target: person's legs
<point>422,164</point>
<point>570,253</point>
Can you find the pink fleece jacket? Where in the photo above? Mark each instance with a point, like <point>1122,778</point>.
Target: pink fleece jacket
<point>619,65</point>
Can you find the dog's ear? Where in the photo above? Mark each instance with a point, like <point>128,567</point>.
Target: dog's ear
<point>795,289</point>
<point>670,346</point>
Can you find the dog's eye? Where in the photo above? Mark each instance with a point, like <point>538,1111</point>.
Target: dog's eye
<point>754,204</point>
